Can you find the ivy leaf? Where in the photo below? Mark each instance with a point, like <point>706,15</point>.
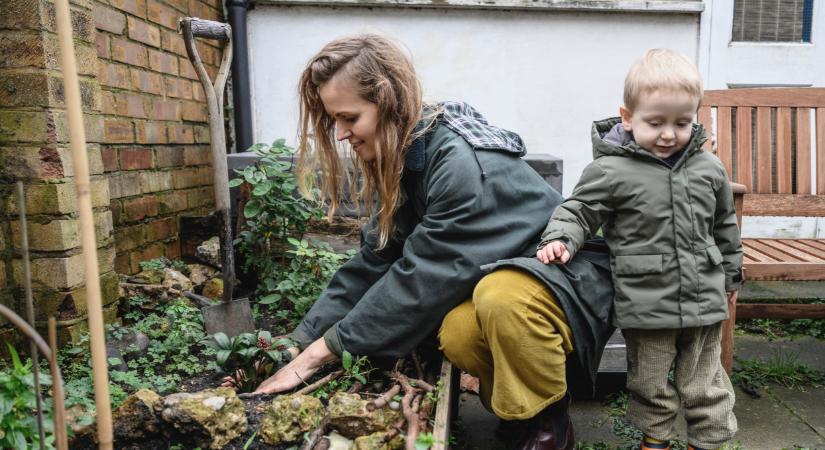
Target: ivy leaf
<point>115,361</point>
<point>262,189</point>
<point>346,360</point>
<point>252,209</point>
<point>235,182</point>
<point>270,299</point>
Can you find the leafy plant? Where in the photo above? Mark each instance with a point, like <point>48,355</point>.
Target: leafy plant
<point>355,369</point>
<point>781,367</point>
<point>163,262</point>
<point>250,358</point>
<point>18,421</point>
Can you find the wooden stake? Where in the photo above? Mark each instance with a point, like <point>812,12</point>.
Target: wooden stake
<point>80,160</point>
<point>57,389</point>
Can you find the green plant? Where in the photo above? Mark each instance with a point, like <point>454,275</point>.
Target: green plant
<point>781,367</point>
<point>163,262</point>
<point>18,423</point>
<point>355,369</point>
<point>250,358</point>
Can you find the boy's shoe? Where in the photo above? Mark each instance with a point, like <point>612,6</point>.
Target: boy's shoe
<point>649,443</point>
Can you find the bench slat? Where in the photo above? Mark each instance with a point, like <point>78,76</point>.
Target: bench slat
<point>724,145</point>
<point>771,252</point>
<point>744,147</point>
<point>785,271</point>
<point>779,311</point>
<point>784,182</point>
<point>760,255</point>
<point>795,97</point>
<point>787,246</point>
<point>820,151</point>
<point>815,243</point>
<point>764,163</point>
<point>703,116</point>
<point>783,205</point>
<point>803,151</point>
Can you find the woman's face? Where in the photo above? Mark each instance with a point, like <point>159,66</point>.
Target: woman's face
<point>356,119</point>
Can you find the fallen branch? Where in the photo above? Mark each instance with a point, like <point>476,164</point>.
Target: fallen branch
<point>385,398</point>
<point>309,443</point>
<point>318,384</point>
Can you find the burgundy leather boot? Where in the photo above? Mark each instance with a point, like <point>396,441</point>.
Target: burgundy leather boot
<point>551,429</point>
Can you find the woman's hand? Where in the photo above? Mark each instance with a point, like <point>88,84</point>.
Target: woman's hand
<point>301,368</point>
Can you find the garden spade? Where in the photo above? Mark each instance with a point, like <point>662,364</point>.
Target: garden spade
<point>232,317</point>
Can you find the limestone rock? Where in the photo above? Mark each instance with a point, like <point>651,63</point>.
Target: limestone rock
<point>151,276</point>
<point>210,418</point>
<point>349,415</point>
<point>289,417</point>
<point>375,441</point>
<point>135,419</point>
<point>176,280</point>
<point>213,289</point>
<point>200,274</point>
<point>210,252</point>
<point>338,442</point>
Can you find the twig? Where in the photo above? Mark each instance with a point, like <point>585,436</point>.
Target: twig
<point>309,443</point>
<point>394,431</point>
<point>314,386</point>
<point>418,369</point>
<point>398,376</point>
<point>356,386</point>
<point>385,398</point>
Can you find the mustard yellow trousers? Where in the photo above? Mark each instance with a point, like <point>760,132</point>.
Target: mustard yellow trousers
<point>514,337</point>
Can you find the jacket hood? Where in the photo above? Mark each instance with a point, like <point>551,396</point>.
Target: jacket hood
<point>602,147</point>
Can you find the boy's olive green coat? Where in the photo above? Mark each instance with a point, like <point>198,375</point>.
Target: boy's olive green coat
<point>674,244</point>
<point>464,207</point>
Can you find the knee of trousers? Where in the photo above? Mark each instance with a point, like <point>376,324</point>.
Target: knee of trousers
<point>503,293</point>
<point>459,334</point>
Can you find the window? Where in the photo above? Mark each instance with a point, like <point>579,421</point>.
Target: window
<point>772,20</point>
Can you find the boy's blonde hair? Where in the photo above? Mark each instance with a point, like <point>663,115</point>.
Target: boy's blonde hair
<point>662,69</point>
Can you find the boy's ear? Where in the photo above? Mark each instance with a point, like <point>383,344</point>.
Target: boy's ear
<point>626,115</point>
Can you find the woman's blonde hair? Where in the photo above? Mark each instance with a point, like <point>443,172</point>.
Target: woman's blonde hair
<point>382,74</point>
<point>661,69</point>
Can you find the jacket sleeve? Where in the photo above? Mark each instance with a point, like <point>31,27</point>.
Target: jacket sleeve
<point>347,286</point>
<point>727,236</point>
<point>464,226</point>
<point>580,216</point>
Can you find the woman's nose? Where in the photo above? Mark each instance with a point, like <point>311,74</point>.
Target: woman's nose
<point>342,133</point>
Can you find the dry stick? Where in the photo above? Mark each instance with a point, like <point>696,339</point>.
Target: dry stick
<point>394,431</point>
<point>398,376</point>
<point>356,386</point>
<point>418,369</point>
<point>385,398</point>
<point>314,386</point>
<point>80,160</point>
<point>309,443</point>
<point>24,250</point>
<point>57,389</point>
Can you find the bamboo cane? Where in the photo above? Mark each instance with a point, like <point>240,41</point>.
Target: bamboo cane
<point>57,388</point>
<point>27,279</point>
<point>88,244</point>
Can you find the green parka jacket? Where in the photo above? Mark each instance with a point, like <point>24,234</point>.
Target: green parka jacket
<point>469,200</point>
<point>674,244</point>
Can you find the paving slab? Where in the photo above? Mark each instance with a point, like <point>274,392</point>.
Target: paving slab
<point>810,351</point>
<point>808,406</point>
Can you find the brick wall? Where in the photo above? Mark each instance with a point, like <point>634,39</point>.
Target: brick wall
<point>155,147</point>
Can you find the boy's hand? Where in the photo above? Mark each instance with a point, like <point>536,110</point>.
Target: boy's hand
<point>732,297</point>
<point>553,253</point>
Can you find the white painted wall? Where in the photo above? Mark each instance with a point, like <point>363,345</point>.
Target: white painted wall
<point>545,74</point>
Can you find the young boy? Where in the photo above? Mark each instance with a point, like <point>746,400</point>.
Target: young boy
<point>666,211</point>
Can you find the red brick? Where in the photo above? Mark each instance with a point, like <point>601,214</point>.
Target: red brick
<point>196,156</point>
<point>165,109</point>
<point>180,5</point>
<point>117,131</point>
<point>200,9</point>
<point>109,156</point>
<point>211,70</point>
<point>108,105</point>
<point>163,15</point>
<point>148,82</point>
<point>209,55</point>
<point>114,75</point>
<point>197,91</point>
<point>150,133</point>
<point>128,238</point>
<point>159,230</point>
<point>202,135</point>
<point>139,208</point>
<point>186,69</point>
<point>200,197</point>
<point>130,105</point>
<point>178,87</point>
<point>102,45</point>
<point>116,207</point>
<point>163,62</point>
<point>122,264</point>
<point>186,178</point>
<point>108,19</point>
<point>129,52</point>
<point>172,201</point>
<point>135,158</point>
<point>181,134</point>
<point>151,252</point>
<point>173,249</point>
<point>143,32</point>
<point>169,156</point>
<point>194,111</point>
<point>135,7</point>
<point>173,42</point>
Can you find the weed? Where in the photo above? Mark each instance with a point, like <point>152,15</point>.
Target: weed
<point>781,368</point>
<point>18,423</point>
<point>250,358</point>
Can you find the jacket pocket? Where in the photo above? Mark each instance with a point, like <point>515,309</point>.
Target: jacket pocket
<point>714,255</point>
<point>639,264</point>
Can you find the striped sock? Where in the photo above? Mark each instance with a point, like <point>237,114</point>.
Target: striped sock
<point>649,443</point>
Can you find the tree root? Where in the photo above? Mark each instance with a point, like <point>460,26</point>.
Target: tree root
<point>385,398</point>
<point>318,384</point>
<point>316,434</point>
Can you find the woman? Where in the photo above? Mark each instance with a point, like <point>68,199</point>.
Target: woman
<point>450,194</point>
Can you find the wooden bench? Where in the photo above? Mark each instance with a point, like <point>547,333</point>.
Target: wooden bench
<point>763,137</point>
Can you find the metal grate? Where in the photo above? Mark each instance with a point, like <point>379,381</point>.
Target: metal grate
<point>772,20</point>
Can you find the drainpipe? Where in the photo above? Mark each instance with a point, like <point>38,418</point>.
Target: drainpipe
<point>241,98</point>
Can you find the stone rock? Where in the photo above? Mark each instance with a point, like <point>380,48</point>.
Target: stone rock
<point>289,417</point>
<point>82,424</point>
<point>210,252</point>
<point>375,441</point>
<point>151,276</point>
<point>213,289</point>
<point>114,357</point>
<point>349,415</point>
<point>200,274</point>
<point>132,343</point>
<point>135,419</point>
<point>176,280</point>
<point>210,418</point>
<point>338,442</point>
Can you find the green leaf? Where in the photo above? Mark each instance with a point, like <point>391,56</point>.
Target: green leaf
<point>270,299</point>
<point>262,189</point>
<point>360,378</point>
<point>115,361</point>
<point>222,340</point>
<point>235,182</point>
<point>14,357</point>
<point>222,356</point>
<point>252,209</point>
<point>346,360</point>
<point>294,241</point>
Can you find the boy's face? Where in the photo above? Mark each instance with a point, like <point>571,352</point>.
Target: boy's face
<point>661,122</point>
